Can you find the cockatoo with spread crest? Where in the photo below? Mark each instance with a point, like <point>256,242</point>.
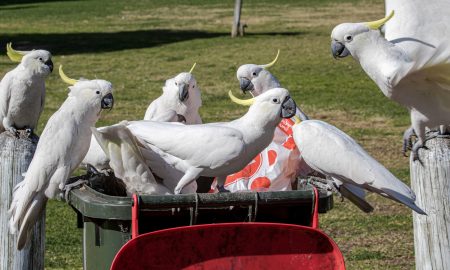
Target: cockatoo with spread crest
<point>180,100</point>
<point>217,149</point>
<point>257,79</point>
<point>22,90</point>
<point>410,63</point>
<point>333,153</point>
<point>62,145</point>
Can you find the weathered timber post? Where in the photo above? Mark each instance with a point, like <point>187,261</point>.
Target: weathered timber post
<point>15,156</point>
<point>236,29</point>
<point>431,183</point>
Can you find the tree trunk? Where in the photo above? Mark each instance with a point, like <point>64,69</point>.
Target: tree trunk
<point>431,183</point>
<point>236,29</point>
<point>15,157</point>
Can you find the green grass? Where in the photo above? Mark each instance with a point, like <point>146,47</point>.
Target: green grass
<point>138,44</point>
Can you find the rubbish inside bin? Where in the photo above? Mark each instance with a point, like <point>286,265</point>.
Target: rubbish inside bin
<point>231,246</point>
<point>105,183</point>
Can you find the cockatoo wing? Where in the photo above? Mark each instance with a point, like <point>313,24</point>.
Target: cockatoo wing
<point>332,152</point>
<point>193,143</point>
<point>5,95</point>
<point>95,156</point>
<point>126,159</point>
<point>422,30</point>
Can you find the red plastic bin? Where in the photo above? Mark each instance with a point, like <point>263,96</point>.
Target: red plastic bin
<point>231,246</point>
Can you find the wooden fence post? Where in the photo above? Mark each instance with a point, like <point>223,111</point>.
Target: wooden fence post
<point>431,183</point>
<point>15,157</point>
<point>236,29</point>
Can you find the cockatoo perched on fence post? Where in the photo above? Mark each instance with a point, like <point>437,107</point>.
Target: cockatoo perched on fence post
<point>179,101</point>
<point>333,153</point>
<point>62,145</point>
<point>22,90</point>
<point>410,63</point>
<point>217,149</point>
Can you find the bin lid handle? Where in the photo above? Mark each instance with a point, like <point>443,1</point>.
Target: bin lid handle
<point>315,215</point>
<point>135,216</point>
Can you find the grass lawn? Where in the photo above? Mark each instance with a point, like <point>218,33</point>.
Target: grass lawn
<point>138,44</point>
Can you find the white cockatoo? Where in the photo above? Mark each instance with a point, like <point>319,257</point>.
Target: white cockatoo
<point>257,79</point>
<point>217,149</point>
<point>126,160</point>
<point>179,102</point>
<point>410,63</point>
<point>22,90</point>
<point>62,145</point>
<point>333,153</point>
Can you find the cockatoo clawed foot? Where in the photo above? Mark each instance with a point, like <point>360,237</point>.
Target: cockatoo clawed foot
<point>222,189</point>
<point>68,187</point>
<point>13,131</point>
<point>322,183</point>
<point>415,150</point>
<point>407,140</point>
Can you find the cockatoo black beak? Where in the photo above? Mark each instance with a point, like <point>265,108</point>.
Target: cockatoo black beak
<point>108,101</point>
<point>246,85</point>
<point>288,107</point>
<point>49,63</point>
<point>183,93</point>
<point>339,50</point>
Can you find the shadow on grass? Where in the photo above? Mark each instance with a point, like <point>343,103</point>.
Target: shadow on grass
<point>76,43</point>
<point>20,2</point>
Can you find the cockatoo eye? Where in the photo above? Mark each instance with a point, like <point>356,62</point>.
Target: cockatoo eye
<point>97,92</point>
<point>176,83</point>
<point>40,59</point>
<point>254,73</point>
<point>276,100</point>
<point>348,38</point>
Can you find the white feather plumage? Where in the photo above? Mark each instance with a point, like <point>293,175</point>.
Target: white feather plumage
<point>53,162</point>
<point>330,151</point>
<point>22,92</point>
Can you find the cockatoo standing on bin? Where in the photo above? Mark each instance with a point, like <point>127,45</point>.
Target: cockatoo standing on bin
<point>333,153</point>
<point>180,100</point>
<point>62,145</point>
<point>217,149</point>
<point>257,79</point>
<point>410,63</point>
<point>22,90</point>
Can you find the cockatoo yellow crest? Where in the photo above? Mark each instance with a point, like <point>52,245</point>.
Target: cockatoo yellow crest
<point>65,78</point>
<point>271,63</point>
<point>244,102</point>
<point>377,24</point>
<point>15,56</point>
